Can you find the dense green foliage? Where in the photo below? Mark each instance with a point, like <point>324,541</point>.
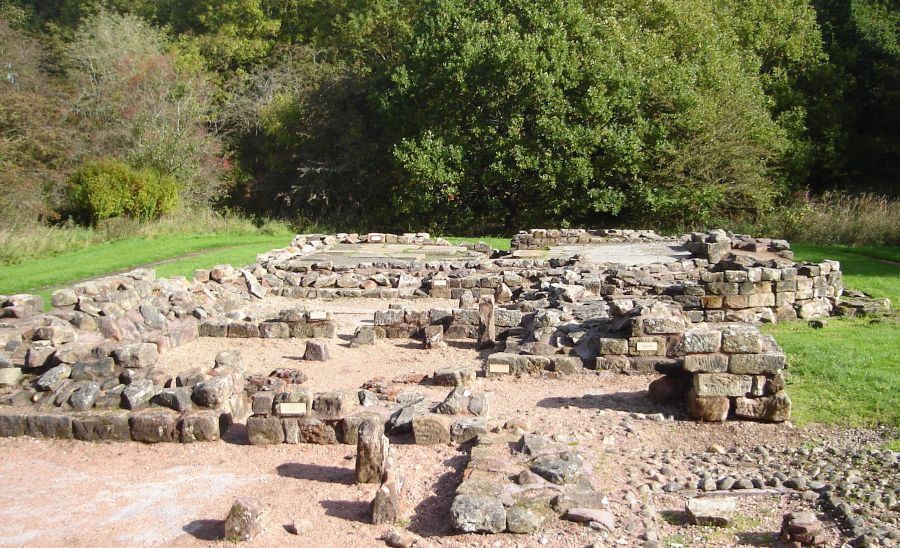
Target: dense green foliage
<point>104,189</point>
<point>477,117</point>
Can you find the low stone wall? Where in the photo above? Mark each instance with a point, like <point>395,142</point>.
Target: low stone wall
<point>290,324</point>
<point>142,426</point>
<point>297,415</point>
<point>457,323</point>
<point>541,238</point>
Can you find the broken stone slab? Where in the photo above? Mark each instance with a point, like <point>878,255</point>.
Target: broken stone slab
<point>137,394</point>
<point>53,378</point>
<point>84,397</point>
<point>401,419</point>
<point>466,429</point>
<point>579,499</point>
<point>247,518</point>
<point>775,408</point>
<point>213,392</point>
<point>478,514</point>
<point>592,515</point>
<point>523,520</point>
<point>308,430</point>
<point>10,376</point>
<point>385,506</point>
<point>229,358</point>
<point>89,370</point>
<point>454,376</point>
<point>177,399</point>
<point>715,511</point>
<point>138,355</point>
<point>562,468</point>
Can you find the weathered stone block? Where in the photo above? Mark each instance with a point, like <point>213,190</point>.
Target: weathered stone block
<point>103,427</point>
<point>741,340</point>
<point>431,429</point>
<point>708,408</point>
<point>756,364</point>
<point>336,405</point>
<point>706,363</point>
<point>722,384</point>
<point>715,511</point>
<point>274,330</point>
<point>478,514</point>
<point>613,346</point>
<point>198,427</point>
<point>467,429</point>
<point>265,430</point>
<point>12,425</point>
<point>49,426</point>
<point>247,518</point>
<point>566,364</point>
<point>776,408</point>
<point>701,341</point>
<point>454,376</point>
<point>154,427</point>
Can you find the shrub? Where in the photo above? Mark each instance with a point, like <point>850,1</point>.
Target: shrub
<point>103,189</point>
<point>834,218</point>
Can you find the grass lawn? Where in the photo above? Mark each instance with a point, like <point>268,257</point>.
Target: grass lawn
<point>849,372</point>
<point>40,275</point>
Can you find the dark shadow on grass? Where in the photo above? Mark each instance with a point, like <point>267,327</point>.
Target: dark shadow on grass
<point>315,472</point>
<point>206,529</point>
<point>431,517</point>
<point>630,402</point>
<point>349,510</point>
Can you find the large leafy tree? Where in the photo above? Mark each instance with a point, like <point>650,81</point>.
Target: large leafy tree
<point>547,111</point>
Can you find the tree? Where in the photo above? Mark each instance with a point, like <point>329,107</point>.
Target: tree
<point>548,112</point>
<point>139,102</point>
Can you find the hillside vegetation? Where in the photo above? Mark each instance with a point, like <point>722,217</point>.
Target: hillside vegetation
<point>466,117</point>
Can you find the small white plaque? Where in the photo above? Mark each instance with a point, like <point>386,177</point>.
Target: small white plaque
<point>291,409</point>
<point>646,346</point>
<point>498,368</point>
<point>318,315</point>
<point>375,238</point>
<point>439,283</point>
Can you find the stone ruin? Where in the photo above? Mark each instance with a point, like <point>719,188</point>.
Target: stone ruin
<point>85,368</point>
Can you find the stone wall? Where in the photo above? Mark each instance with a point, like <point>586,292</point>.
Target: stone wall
<point>541,238</point>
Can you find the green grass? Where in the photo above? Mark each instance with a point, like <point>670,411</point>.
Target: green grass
<point>848,373</point>
<point>41,274</point>
<point>496,242</point>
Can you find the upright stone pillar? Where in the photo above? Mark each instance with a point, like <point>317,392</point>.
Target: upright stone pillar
<point>487,326</point>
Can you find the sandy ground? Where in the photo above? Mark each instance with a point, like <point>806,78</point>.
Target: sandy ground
<point>82,494</point>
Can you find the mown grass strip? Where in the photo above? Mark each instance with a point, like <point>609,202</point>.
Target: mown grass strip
<point>121,255</point>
